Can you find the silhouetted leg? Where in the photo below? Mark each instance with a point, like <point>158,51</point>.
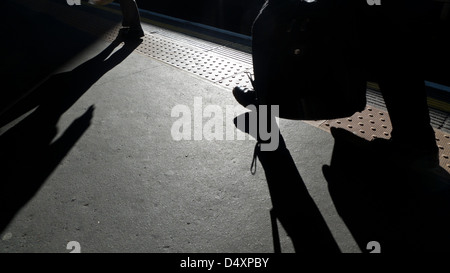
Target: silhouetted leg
<point>130,13</point>
<point>266,36</point>
<point>406,101</point>
<point>394,54</point>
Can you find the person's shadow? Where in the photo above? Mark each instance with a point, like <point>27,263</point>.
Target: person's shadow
<point>383,200</point>
<point>29,152</point>
<point>292,204</point>
<point>387,206</point>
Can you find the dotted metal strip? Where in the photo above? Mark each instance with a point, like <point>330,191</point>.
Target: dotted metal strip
<point>206,64</point>
<point>375,123</point>
<point>443,142</point>
<point>369,124</point>
<point>240,79</point>
<point>235,54</point>
<point>186,39</point>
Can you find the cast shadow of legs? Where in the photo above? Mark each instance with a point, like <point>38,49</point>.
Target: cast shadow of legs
<point>29,150</point>
<point>292,205</point>
<point>382,199</point>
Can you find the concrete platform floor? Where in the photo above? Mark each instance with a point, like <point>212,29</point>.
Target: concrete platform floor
<point>90,156</point>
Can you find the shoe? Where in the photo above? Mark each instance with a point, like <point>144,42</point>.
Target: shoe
<point>245,96</point>
<point>131,33</point>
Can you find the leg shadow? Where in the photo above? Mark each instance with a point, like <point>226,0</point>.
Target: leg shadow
<point>292,204</point>
<point>29,152</point>
<point>383,200</point>
<point>61,91</point>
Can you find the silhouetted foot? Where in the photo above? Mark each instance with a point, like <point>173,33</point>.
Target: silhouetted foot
<point>419,155</point>
<point>245,96</point>
<point>131,33</point>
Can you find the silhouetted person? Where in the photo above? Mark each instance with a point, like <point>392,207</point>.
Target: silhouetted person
<point>391,47</point>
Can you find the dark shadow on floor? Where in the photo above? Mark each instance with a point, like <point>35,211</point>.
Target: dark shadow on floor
<point>29,150</point>
<point>382,199</point>
<point>293,207</point>
<point>39,37</point>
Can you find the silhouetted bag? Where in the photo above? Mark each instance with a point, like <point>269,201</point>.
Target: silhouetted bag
<point>305,59</point>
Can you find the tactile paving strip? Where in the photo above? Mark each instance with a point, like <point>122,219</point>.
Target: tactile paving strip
<point>369,124</point>
<point>206,64</point>
<point>375,123</point>
<point>240,79</point>
<point>443,142</point>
